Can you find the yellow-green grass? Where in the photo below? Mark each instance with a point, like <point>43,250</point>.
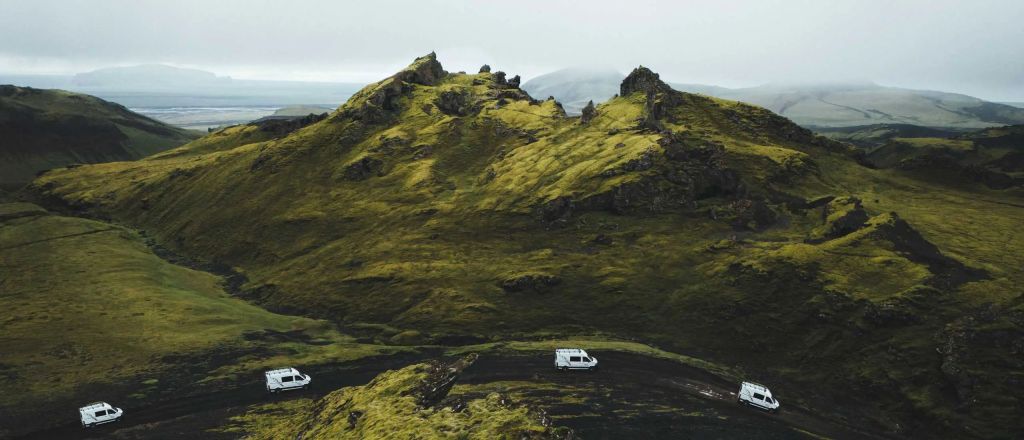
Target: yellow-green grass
<point>932,142</point>
<point>388,407</point>
<point>87,304</point>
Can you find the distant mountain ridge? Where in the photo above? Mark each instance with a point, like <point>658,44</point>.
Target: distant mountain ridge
<point>598,85</point>
<point>845,105</point>
<point>43,129</point>
<point>148,76</point>
<point>811,105</point>
<point>158,85</point>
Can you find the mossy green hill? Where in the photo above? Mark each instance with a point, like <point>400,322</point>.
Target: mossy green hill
<point>91,312</point>
<point>43,129</point>
<point>456,208</point>
<point>993,157</point>
<point>411,403</point>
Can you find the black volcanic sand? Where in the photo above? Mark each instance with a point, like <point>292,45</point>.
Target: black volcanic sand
<point>631,396</point>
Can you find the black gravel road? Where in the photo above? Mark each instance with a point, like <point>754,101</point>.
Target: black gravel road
<point>631,396</point>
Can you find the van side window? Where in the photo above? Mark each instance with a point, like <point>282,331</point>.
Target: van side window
<point>286,379</point>
<point>586,359</point>
<point>298,378</point>
<point>101,413</point>
<point>759,396</point>
<point>768,399</point>
<point>574,359</point>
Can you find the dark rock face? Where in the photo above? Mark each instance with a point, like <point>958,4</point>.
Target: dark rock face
<point>752,214</point>
<point>643,80</point>
<point>499,78</point>
<point>556,210</point>
<point>589,112</point>
<point>485,69</point>
<point>658,94</point>
<point>363,169</point>
<point>425,70</point>
<point>283,126</point>
<point>458,102</point>
<point>440,380</point>
<point>530,282</point>
<point>380,103</point>
<point>514,82</point>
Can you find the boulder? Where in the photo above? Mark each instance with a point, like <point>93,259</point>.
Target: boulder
<point>485,69</point>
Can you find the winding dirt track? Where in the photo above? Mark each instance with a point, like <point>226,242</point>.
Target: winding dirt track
<point>632,396</point>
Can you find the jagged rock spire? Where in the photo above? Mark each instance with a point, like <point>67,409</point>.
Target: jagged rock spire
<point>424,70</point>
<point>588,113</point>
<point>642,79</point>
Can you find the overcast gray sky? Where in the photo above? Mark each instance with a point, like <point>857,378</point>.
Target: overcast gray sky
<point>974,47</point>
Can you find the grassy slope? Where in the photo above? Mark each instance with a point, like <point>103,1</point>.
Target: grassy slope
<point>392,406</point>
<point>45,129</point>
<point>870,136</point>
<point>91,313</point>
<point>992,157</point>
<point>395,212</point>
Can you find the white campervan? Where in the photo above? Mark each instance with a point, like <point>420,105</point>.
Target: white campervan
<point>758,395</point>
<point>98,413</point>
<point>574,359</point>
<point>286,379</point>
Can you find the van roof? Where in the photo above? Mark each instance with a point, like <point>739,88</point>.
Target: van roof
<point>288,370</point>
<point>756,386</point>
<point>569,350</point>
<point>94,405</point>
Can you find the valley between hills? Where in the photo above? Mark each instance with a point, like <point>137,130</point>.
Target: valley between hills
<point>449,229</point>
